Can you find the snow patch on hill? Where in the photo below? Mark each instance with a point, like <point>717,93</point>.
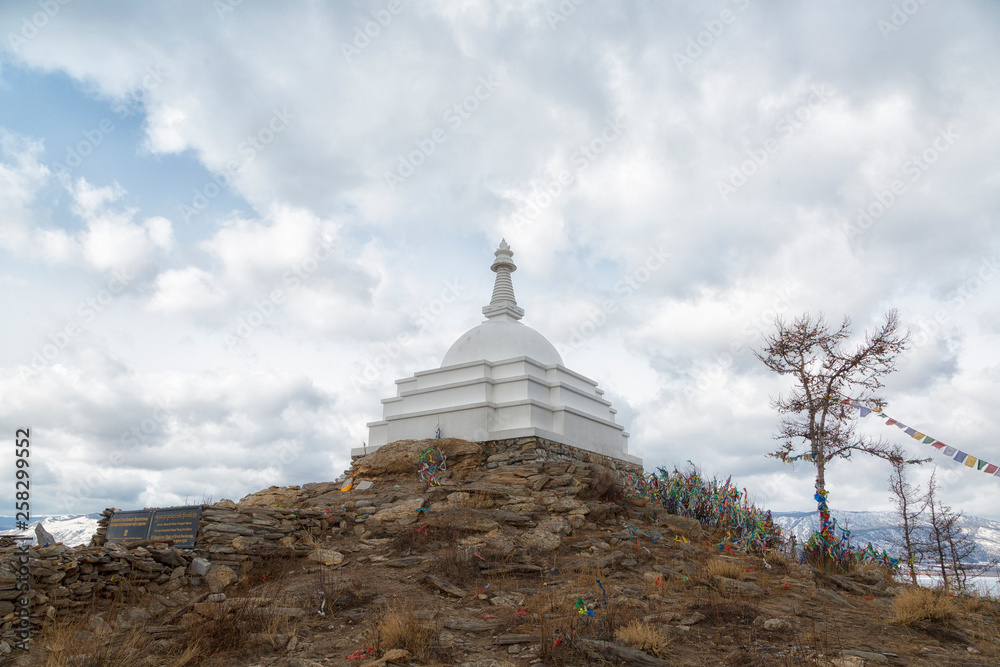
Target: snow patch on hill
<point>69,529</point>
<point>880,528</point>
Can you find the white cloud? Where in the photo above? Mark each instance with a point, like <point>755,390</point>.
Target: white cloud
<point>178,291</point>
<point>676,351</point>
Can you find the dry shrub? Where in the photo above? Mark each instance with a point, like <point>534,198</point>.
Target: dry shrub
<point>718,567</point>
<point>779,564</point>
<point>242,627</point>
<point>417,538</point>
<point>261,571</point>
<point>915,604</point>
<point>250,621</point>
<point>458,566</point>
<point>643,637</point>
<point>979,604</point>
<point>726,611</point>
<point>69,640</point>
<point>335,593</point>
<point>398,627</point>
<point>609,618</point>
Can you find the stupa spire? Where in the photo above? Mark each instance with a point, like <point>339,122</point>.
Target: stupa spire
<point>503,304</point>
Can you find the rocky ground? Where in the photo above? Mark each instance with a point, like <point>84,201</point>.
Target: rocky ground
<point>517,558</point>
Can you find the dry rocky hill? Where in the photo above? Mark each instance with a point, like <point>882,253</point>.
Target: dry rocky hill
<point>516,553</point>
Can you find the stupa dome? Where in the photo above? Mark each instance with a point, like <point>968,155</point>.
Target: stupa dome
<point>496,340</point>
<point>501,336</point>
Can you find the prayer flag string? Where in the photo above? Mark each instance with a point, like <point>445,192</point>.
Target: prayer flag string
<point>968,460</point>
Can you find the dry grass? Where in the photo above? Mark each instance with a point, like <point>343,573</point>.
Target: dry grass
<point>70,640</point>
<point>250,621</point>
<point>915,604</point>
<point>610,618</point>
<point>643,637</point>
<point>459,566</point>
<point>718,567</point>
<point>727,611</point>
<point>398,627</point>
<point>420,538</point>
<point>779,564</point>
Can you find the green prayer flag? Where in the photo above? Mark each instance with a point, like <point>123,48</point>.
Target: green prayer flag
<point>928,440</point>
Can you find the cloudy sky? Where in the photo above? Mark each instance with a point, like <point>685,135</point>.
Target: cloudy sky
<point>226,228</point>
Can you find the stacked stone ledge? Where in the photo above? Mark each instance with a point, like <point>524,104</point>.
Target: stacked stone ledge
<point>230,537</point>
<point>537,492</point>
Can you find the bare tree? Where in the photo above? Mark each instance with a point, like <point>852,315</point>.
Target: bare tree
<point>947,543</point>
<point>909,507</point>
<point>815,425</point>
<point>936,543</point>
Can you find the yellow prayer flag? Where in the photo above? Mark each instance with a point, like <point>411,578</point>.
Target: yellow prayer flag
<point>971,461</point>
<point>918,435</point>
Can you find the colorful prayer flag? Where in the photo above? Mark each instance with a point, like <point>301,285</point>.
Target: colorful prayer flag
<point>960,456</point>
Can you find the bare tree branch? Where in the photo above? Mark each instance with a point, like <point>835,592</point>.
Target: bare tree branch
<point>814,423</point>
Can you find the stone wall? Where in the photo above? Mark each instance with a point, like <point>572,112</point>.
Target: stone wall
<point>534,448</point>
<point>230,538</point>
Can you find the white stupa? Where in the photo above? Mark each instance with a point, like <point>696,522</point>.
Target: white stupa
<point>501,380</point>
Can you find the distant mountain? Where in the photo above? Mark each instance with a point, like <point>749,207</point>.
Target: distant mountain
<point>879,528</point>
<point>70,529</point>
